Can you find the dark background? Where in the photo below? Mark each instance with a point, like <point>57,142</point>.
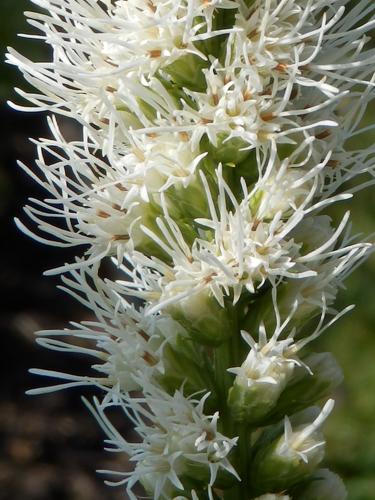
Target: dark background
<point>50,445</point>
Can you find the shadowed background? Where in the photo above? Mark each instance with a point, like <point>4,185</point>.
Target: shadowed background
<point>49,445</point>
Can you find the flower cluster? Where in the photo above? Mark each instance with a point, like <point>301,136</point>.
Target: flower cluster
<point>215,135</point>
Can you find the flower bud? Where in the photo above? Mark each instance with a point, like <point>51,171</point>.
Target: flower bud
<point>259,382</point>
<point>291,457</point>
<point>227,150</point>
<point>187,72</point>
<point>182,362</point>
<point>175,92</point>
<point>144,226</point>
<point>205,321</point>
<point>323,485</point>
<point>188,202</point>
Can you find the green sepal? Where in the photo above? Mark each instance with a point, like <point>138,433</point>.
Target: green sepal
<point>128,117</point>
<point>187,71</point>
<point>272,472</point>
<point>176,93</point>
<point>183,361</point>
<point>205,321</point>
<point>149,212</point>
<point>252,405</point>
<point>190,202</point>
<point>227,151</point>
<point>147,109</point>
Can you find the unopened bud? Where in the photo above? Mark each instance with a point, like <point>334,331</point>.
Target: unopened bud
<point>187,72</point>
<point>227,150</point>
<point>205,321</point>
<point>189,202</point>
<point>292,457</point>
<point>145,214</point>
<point>182,362</point>
<point>259,382</point>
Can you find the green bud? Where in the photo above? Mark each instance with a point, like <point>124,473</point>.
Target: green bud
<point>190,202</point>
<point>203,318</point>
<point>182,361</point>
<point>145,214</point>
<point>187,71</point>
<point>290,458</point>
<point>229,151</point>
<point>176,93</point>
<point>323,485</point>
<point>258,385</point>
<point>306,388</point>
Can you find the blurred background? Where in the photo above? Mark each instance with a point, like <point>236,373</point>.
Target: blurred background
<point>49,445</point>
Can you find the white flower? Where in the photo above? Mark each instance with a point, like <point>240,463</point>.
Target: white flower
<point>122,340</point>
<point>332,267</point>
<point>230,109</point>
<point>103,73</point>
<point>235,250</point>
<point>94,203</point>
<point>156,163</point>
<point>177,439</point>
<point>103,203</point>
<point>304,442</point>
<point>270,363</point>
<point>104,52</point>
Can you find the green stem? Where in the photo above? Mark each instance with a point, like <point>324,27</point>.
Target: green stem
<point>242,456</point>
<point>222,361</point>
